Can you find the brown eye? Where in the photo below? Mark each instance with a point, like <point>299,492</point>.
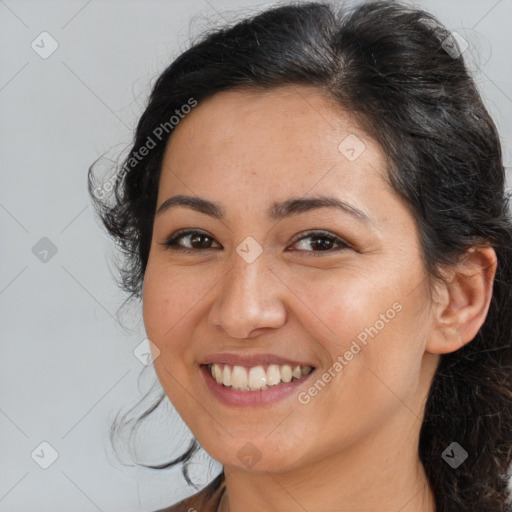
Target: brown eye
<point>193,240</point>
<point>320,241</point>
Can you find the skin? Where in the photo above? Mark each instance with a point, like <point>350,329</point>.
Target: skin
<point>354,446</point>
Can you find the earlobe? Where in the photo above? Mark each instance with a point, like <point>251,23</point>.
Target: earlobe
<point>463,301</point>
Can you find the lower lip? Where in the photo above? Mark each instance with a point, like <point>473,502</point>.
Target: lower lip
<point>236,398</point>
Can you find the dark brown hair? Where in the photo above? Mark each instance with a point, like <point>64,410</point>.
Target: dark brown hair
<point>386,63</point>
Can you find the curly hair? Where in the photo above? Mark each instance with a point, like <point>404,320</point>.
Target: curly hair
<point>386,63</point>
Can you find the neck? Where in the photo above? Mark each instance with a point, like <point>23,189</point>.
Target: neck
<point>374,475</point>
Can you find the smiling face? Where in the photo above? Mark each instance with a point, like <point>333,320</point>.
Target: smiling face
<point>276,276</point>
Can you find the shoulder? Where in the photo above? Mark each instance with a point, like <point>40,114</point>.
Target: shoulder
<point>206,500</point>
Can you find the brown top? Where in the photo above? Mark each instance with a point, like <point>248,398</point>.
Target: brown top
<point>206,500</point>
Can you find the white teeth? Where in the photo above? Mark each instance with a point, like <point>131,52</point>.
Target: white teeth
<point>273,375</point>
<point>286,373</point>
<point>239,377</point>
<point>256,378</point>
<point>226,375</point>
<point>217,373</point>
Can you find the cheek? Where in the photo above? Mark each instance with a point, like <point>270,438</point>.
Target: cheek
<point>166,302</point>
<point>174,301</point>
<point>338,306</point>
<point>382,353</point>
<point>167,306</point>
<point>161,288</point>
<point>373,323</point>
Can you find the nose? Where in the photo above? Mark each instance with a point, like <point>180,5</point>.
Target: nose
<point>248,299</point>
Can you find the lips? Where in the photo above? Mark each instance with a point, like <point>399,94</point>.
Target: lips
<point>253,379</point>
<point>254,372</point>
<point>262,394</point>
<point>250,361</point>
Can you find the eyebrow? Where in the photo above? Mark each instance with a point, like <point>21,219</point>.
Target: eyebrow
<point>277,211</point>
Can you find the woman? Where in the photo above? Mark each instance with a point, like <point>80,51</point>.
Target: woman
<point>313,214</point>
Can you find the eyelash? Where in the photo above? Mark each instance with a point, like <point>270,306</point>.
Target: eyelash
<point>172,242</point>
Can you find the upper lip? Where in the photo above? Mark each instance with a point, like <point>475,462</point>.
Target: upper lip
<point>252,360</point>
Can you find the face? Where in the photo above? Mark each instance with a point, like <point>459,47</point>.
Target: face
<point>269,278</point>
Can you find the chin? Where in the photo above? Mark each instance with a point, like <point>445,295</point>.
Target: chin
<point>265,453</point>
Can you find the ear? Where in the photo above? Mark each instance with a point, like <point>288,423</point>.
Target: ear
<point>462,301</point>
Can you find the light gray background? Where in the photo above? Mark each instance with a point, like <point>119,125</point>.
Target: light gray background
<point>66,365</point>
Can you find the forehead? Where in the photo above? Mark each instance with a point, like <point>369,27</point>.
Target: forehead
<point>273,143</point>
